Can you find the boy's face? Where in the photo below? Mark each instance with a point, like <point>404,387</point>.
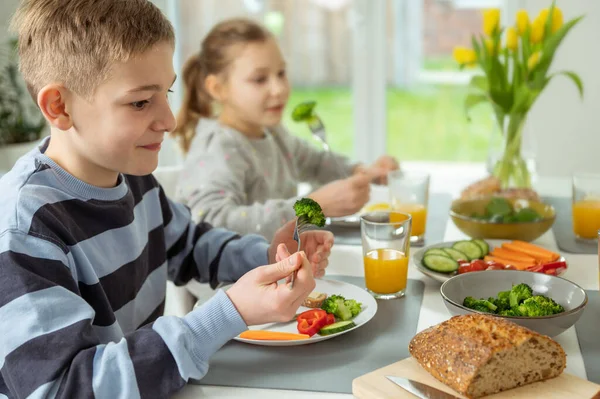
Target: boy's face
<point>121,128</point>
<point>257,88</point>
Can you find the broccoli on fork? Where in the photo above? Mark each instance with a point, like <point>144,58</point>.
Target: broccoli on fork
<point>309,211</point>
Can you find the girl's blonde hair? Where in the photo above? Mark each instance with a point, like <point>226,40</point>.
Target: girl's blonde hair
<point>214,57</point>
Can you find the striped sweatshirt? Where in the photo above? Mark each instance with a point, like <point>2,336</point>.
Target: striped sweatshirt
<point>83,275</point>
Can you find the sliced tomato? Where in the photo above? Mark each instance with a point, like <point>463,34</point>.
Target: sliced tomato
<point>464,268</point>
<point>478,265</point>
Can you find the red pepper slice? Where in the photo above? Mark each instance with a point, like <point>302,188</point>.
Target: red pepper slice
<point>330,319</point>
<point>554,265</point>
<point>311,321</point>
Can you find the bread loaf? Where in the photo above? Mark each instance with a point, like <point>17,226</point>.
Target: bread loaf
<point>480,355</point>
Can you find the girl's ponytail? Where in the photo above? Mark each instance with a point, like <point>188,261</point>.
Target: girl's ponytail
<point>196,103</point>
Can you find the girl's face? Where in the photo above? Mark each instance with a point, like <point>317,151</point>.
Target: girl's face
<point>255,88</point>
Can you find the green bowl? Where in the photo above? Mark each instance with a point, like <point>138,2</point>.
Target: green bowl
<point>461,211</point>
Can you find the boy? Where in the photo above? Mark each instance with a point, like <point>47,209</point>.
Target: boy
<point>87,236</point>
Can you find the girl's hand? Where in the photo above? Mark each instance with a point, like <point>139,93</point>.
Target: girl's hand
<point>381,167</point>
<point>344,197</point>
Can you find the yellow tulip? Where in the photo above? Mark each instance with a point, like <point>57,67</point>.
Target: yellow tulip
<point>491,21</point>
<point>512,40</point>
<point>537,30</point>
<point>489,45</point>
<point>464,56</point>
<point>557,19</point>
<point>522,22</point>
<point>533,60</point>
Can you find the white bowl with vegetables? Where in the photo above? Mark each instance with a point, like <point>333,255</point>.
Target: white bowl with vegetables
<point>447,259</point>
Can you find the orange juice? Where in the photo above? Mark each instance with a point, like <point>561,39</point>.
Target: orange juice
<point>386,271</point>
<point>419,216</point>
<point>586,218</point>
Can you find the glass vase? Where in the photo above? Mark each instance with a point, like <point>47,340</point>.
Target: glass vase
<point>511,155</point>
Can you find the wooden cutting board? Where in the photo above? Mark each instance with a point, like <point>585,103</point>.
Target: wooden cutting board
<point>375,386</point>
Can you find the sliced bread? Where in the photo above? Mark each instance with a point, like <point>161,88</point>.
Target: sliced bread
<point>479,355</point>
<point>314,300</point>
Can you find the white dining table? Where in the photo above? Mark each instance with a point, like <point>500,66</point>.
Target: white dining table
<point>347,260</point>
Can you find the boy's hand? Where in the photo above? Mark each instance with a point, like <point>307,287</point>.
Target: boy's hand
<point>344,197</point>
<point>316,244</point>
<point>259,299</point>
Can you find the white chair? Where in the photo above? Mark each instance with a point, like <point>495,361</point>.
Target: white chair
<point>179,301</point>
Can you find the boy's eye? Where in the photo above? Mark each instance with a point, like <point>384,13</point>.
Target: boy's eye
<point>281,73</point>
<point>261,79</point>
<point>139,105</point>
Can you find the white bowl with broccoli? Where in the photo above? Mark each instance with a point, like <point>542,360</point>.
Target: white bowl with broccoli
<point>547,304</point>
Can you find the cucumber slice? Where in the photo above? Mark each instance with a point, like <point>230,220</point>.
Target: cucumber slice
<point>469,248</point>
<point>440,263</point>
<point>337,327</point>
<point>456,254</point>
<point>436,251</point>
<point>483,245</point>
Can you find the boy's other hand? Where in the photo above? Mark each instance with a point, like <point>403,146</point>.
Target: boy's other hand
<point>259,299</point>
<point>316,244</point>
<point>344,197</point>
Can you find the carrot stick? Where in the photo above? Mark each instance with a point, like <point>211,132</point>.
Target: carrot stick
<point>516,256</point>
<point>505,262</point>
<point>536,248</point>
<point>272,335</point>
<point>541,254</point>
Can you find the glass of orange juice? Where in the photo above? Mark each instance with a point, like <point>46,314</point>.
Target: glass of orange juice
<point>409,193</point>
<point>586,206</point>
<point>386,245</point>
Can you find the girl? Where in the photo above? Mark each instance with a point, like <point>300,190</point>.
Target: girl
<point>250,166</point>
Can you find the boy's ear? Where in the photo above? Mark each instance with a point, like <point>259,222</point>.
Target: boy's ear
<point>52,102</point>
<point>214,87</point>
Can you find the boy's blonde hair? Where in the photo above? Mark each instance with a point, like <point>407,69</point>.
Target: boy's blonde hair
<point>214,57</point>
<point>76,42</point>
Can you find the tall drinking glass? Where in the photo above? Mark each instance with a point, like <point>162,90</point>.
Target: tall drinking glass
<point>386,246</point>
<point>586,206</point>
<point>409,193</point>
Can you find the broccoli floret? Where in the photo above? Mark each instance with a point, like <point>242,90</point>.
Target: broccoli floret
<point>303,111</point>
<point>480,305</point>
<point>509,312</point>
<point>355,307</point>
<point>539,305</point>
<point>503,301</point>
<point>336,305</point>
<point>519,293</point>
<point>309,211</point>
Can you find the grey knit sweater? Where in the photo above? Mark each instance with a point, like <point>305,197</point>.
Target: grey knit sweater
<point>250,185</point>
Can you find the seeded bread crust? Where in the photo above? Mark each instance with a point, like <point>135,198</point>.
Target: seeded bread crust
<point>314,302</point>
<point>467,351</point>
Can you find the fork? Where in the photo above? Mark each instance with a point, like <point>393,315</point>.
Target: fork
<point>298,229</point>
<point>317,128</point>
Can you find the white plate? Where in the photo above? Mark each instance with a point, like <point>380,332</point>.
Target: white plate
<point>442,277</point>
<point>329,287</point>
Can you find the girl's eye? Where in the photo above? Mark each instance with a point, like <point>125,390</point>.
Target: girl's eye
<point>262,79</point>
<point>139,105</point>
<point>281,74</point>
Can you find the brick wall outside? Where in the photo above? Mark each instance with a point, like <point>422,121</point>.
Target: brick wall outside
<point>445,27</point>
